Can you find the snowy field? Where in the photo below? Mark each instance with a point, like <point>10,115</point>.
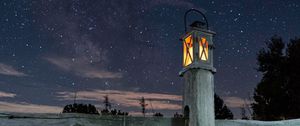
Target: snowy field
<point>295,122</point>
<point>19,119</point>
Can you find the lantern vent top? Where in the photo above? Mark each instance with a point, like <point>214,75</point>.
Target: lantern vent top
<point>198,24</point>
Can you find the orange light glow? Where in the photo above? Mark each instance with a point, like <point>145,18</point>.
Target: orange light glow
<point>188,50</point>
<point>203,46</point>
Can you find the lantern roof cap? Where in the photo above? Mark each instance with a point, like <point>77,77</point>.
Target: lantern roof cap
<point>196,29</point>
<point>202,30</point>
<point>198,24</point>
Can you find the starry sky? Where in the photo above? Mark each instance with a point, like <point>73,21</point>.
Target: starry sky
<point>128,49</point>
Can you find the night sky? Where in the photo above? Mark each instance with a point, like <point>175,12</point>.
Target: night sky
<point>127,49</point>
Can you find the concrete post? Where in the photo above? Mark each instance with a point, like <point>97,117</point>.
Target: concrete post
<point>199,97</point>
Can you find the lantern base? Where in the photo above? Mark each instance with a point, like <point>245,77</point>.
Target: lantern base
<point>197,66</point>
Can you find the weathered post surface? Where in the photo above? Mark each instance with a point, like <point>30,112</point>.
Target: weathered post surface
<point>199,97</point>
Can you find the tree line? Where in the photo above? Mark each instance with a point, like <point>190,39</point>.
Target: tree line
<point>277,95</point>
<point>221,110</point>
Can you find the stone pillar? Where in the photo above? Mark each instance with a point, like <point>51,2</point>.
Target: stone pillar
<point>199,97</point>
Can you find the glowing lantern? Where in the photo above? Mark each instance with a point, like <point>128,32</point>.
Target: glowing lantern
<point>198,46</point>
<point>198,73</point>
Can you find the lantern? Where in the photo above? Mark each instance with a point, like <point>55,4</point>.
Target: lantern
<point>198,73</point>
<point>198,46</point>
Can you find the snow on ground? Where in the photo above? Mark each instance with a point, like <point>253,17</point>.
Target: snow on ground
<point>26,119</point>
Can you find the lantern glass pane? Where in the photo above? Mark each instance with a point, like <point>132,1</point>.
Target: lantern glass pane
<point>203,49</point>
<point>188,51</point>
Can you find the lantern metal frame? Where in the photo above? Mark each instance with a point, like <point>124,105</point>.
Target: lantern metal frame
<point>197,33</point>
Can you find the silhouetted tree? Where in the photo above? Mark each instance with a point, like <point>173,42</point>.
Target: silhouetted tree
<point>271,99</point>
<point>293,79</point>
<point>105,112</point>
<point>243,113</point>
<point>221,110</point>
<point>113,112</point>
<point>80,108</point>
<point>158,114</point>
<point>122,113</point>
<point>176,115</point>
<point>277,95</point>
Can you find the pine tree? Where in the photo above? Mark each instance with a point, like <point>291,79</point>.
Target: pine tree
<point>270,94</point>
<point>293,79</point>
<point>243,113</point>
<point>221,110</point>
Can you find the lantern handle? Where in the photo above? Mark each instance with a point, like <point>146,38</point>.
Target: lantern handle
<point>195,10</point>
